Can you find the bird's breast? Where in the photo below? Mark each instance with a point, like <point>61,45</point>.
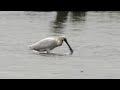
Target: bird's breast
<point>59,42</point>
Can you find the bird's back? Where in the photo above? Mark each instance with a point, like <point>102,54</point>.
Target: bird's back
<point>49,43</point>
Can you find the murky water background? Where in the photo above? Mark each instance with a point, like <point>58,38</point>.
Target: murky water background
<point>94,36</point>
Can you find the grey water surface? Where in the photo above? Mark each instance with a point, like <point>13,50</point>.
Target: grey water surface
<point>94,37</point>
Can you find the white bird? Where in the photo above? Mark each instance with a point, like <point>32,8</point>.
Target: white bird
<point>50,43</point>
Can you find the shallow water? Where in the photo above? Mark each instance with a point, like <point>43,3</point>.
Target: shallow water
<point>94,37</point>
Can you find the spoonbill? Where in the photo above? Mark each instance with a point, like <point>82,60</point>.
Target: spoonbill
<point>49,43</point>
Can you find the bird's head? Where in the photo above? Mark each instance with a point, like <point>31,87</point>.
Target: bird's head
<point>63,38</point>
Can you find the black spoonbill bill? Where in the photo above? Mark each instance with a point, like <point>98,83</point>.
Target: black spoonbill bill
<point>50,43</point>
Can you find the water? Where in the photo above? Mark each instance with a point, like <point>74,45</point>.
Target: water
<point>94,36</point>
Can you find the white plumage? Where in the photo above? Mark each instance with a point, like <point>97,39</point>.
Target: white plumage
<point>48,44</point>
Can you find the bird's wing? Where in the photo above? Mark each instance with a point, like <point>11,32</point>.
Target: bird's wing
<point>46,43</point>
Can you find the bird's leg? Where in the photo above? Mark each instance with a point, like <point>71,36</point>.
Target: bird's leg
<point>48,51</point>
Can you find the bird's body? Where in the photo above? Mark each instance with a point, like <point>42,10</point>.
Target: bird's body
<point>47,44</point>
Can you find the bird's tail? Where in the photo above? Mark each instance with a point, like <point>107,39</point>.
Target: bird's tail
<point>31,47</point>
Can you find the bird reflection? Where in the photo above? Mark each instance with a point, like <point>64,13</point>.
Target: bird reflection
<point>78,16</point>
<point>59,24</point>
<point>61,16</point>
